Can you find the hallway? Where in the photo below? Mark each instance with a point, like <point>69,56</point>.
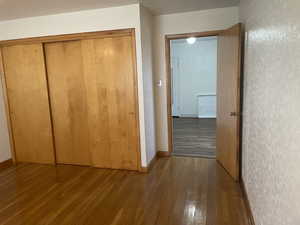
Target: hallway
<point>194,137</point>
<point>177,191</point>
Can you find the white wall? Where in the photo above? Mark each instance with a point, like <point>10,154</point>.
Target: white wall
<point>271,132</point>
<point>197,21</point>
<point>4,138</point>
<point>147,68</point>
<point>85,21</point>
<point>194,72</point>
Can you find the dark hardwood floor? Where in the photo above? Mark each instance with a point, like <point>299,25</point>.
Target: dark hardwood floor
<point>177,191</point>
<point>194,137</point>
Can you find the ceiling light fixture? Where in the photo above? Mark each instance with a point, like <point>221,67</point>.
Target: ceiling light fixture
<point>191,40</point>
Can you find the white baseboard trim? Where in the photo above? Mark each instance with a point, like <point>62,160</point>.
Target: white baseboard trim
<point>207,117</point>
<point>189,115</point>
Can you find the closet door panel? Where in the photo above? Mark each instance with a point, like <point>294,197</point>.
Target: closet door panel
<point>97,107</point>
<point>93,99</point>
<point>68,102</point>
<point>110,75</point>
<point>28,102</point>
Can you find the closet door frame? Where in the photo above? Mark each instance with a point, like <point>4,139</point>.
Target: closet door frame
<point>69,37</point>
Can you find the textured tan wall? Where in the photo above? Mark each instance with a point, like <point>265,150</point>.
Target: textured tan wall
<point>271,140</point>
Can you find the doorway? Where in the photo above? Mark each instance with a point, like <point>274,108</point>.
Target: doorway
<point>194,78</point>
<point>212,128</point>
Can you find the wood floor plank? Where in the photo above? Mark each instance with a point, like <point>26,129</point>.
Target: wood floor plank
<point>194,137</point>
<point>177,191</point>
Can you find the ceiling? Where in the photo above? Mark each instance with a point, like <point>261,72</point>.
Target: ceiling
<point>12,9</point>
<point>159,7</point>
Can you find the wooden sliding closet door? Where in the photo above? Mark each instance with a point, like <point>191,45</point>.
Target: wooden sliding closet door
<point>93,98</point>
<point>28,103</point>
<point>68,96</point>
<point>109,71</point>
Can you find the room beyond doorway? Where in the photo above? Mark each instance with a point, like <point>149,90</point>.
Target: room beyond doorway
<point>193,64</point>
<point>228,94</point>
<point>194,137</point>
